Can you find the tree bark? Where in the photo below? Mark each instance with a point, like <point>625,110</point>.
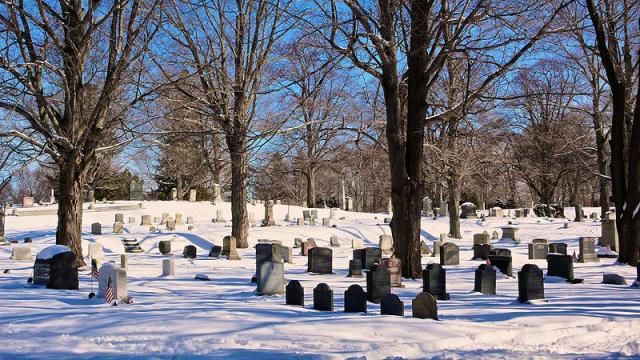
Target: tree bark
<point>311,187</point>
<point>70,185</point>
<point>603,182</point>
<point>239,216</point>
<point>454,199</point>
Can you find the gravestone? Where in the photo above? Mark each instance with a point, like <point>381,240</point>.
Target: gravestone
<point>436,248</point>
<point>500,252</point>
<point>229,248</point>
<point>215,251</point>
<point>357,244</point>
<point>168,268</point>
<point>368,256</point>
<point>306,246</point>
<point>267,252</point>
<point>320,260</point>
<point>334,242</point>
<point>510,232</point>
<point>482,238</point>
<point>306,215</point>
<point>468,211</point>
<point>270,277</point>
<point>558,248</point>
<point>294,293</point>
<point>587,247</point>
<point>332,213</point>
<point>135,190</point>
<point>190,220</point>
<point>165,218</point>
<point>146,220</point>
<point>193,194</point>
<point>174,194</point>
<point>21,252</point>
<point>189,252</point>
<point>118,228</point>
<point>609,232</point>
<point>485,280</point>
<point>119,218</point>
<point>96,229</point>
<point>355,268</point>
<point>386,244</point>
<point>355,299</point>
<point>503,263</point>
<point>481,251</point>
<point>495,235</point>
<point>132,220</point>
<point>220,216</point>
<point>449,254</point>
<point>424,306</point>
<point>530,283</point>
<point>171,225</point>
<point>378,284</point>
<point>395,272</point>
<point>496,212</point>
<point>323,298</point>
<point>27,201</point>
<point>96,251</point>
<point>424,248</point>
<point>326,222</point>
<point>300,221</point>
<point>560,265</point>
<point>391,305</point>
<point>63,272</point>
<point>444,209</point>
<point>178,219</point>
<point>164,246</point>
<point>538,251</point>
<point>269,220</point>
<point>287,254</point>
<point>297,242</point>
<point>613,279</point>
<point>434,281</point>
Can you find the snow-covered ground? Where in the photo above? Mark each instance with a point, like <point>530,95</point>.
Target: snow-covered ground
<point>180,317</point>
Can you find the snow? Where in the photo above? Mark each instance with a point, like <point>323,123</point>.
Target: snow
<point>50,251</point>
<point>182,317</point>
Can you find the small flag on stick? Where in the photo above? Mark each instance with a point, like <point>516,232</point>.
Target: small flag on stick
<point>108,293</point>
<point>95,273</point>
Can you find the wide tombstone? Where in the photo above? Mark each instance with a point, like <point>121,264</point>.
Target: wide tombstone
<point>306,215</point>
<point>229,248</point>
<point>560,265</point>
<point>323,297</point>
<point>96,229</point>
<point>189,252</point>
<point>510,233</point>
<point>294,293</point>
<point>449,254</point>
<point>136,190</point>
<point>434,281</point>
<point>481,251</point>
<point>503,263</point>
<point>530,283</point>
<point>367,256</point>
<point>538,250</point>
<point>267,252</point>
<point>391,305</point>
<point>481,238</point>
<point>558,248</point>
<point>485,280</point>
<point>424,306</point>
<point>378,284</point>
<point>320,260</point>
<point>270,277</point>
<point>215,251</point>
<point>145,220</point>
<point>355,299</point>
<point>468,211</point>
<point>56,267</point>
<point>21,252</point>
<point>587,247</point>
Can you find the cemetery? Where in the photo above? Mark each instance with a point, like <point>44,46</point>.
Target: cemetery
<point>352,286</point>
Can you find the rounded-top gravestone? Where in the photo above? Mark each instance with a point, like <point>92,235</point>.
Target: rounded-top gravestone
<point>391,305</point>
<point>424,306</point>
<point>189,252</point>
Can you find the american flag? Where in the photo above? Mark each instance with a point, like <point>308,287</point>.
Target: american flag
<point>95,273</point>
<point>108,293</point>
<point>488,262</point>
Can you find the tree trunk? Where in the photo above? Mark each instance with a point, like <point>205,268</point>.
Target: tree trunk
<point>239,216</point>
<point>311,187</point>
<point>70,185</point>
<point>603,182</point>
<point>454,199</point>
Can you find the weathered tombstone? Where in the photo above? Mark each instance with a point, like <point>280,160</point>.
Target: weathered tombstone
<point>174,194</point>
<point>558,248</point>
<point>229,248</point>
<point>424,248</point>
<point>357,244</point>
<point>495,235</point>
<point>587,250</point>
<point>300,222</point>
<point>269,220</point>
<point>118,228</point>
<point>613,279</point>
<point>168,268</point>
<point>171,225</point>
<point>189,252</point>
<point>387,220</point>
<point>215,251</point>
<point>391,305</point>
<point>220,216</point>
<point>164,246</point>
<point>165,218</point>
<point>510,232</point>
<point>496,212</point>
<point>395,272</point>
<point>287,254</point>
<point>530,283</point>
<point>320,260</point>
<point>538,251</point>
<point>481,251</point>
<point>424,306</point>
<point>386,244</point>
<point>579,213</point>
<point>609,234</point>
<point>368,256</point>
<point>334,242</point>
<point>355,299</point>
<point>326,222</point>
<point>500,252</point>
<point>503,263</point>
<point>267,252</point>
<point>444,209</point>
<point>314,214</point>
<point>178,219</point>
<point>21,252</point>
<point>468,211</point>
<point>307,245</point>
<point>270,277</point>
<point>485,280</point>
<point>136,189</point>
<point>332,214</point>
<point>124,261</point>
<point>449,254</point>
<point>146,220</point>
<point>190,220</point>
<point>132,220</point>
<point>306,215</point>
<point>119,218</point>
<point>27,201</point>
<point>96,251</point>
<point>434,281</point>
<point>297,242</point>
<point>378,284</point>
<point>482,238</point>
<point>560,265</point>
<point>436,248</point>
<point>294,293</point>
<point>96,229</point>
<point>355,268</point>
<point>193,194</point>
<point>323,298</point>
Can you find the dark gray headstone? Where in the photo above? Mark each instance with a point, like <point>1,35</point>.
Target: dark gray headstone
<point>424,306</point>
<point>270,278</point>
<point>500,252</point>
<point>355,268</point>
<point>587,247</point>
<point>434,281</point>
<point>63,272</point>
<point>538,251</point>
<point>485,281</point>
<point>323,297</point>
<point>295,293</point>
<point>368,256</point>
<point>378,284</point>
<point>558,248</point>
<point>481,251</point>
<point>189,252</point>
<point>530,283</point>
<point>164,246</point>
<point>503,263</point>
<point>355,299</point>
<point>613,279</point>
<point>320,260</point>
<point>449,254</point>
<point>560,265</point>
<point>267,252</point>
<point>391,305</point>
<point>215,251</point>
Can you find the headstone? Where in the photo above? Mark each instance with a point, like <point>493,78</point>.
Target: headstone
<point>269,220</point>
<point>326,222</point>
<point>482,238</point>
<point>96,251</point>
<point>229,248</point>
<point>215,251</point>
<point>587,247</point>
<point>21,252</point>
<point>168,268</point>
<point>481,251</point>
<point>503,263</point>
<point>609,234</point>
<point>323,298</point>
<point>449,254</point>
<point>357,244</point>
<point>63,272</point>
<point>306,215</point>
<point>391,305</point>
<point>613,279</point>
<point>267,252</point>
<point>164,246</point>
<point>27,201</point>
<point>560,265</point>
<point>368,256</point>
<point>189,252</point>
<point>171,225</point>
<point>136,190</point>
<point>146,220</point>
<point>332,214</point>
<point>124,261</point>
<point>294,293</point>
<point>510,232</point>
<point>174,194</point>
<point>485,280</point>
<point>132,220</point>
<point>495,235</point>
<point>220,216</point>
<point>355,268</point>
<point>496,212</point>
<point>434,281</point>
<point>307,245</point>
<point>287,254</point>
<point>96,229</point>
<point>424,248</point>
<point>558,248</point>
<point>270,277</point>
<point>314,214</point>
<point>165,218</point>
<point>444,209</point>
<point>355,299</point>
<point>190,220</point>
<point>119,218</point>
<point>424,306</point>
<point>297,242</point>
<point>118,228</point>
<point>178,219</point>
<point>500,252</point>
<point>538,251</point>
<point>320,260</point>
<point>395,272</point>
<point>386,244</point>
<point>530,283</point>
<point>193,193</point>
<point>378,284</point>
<point>436,248</point>
<point>468,211</point>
